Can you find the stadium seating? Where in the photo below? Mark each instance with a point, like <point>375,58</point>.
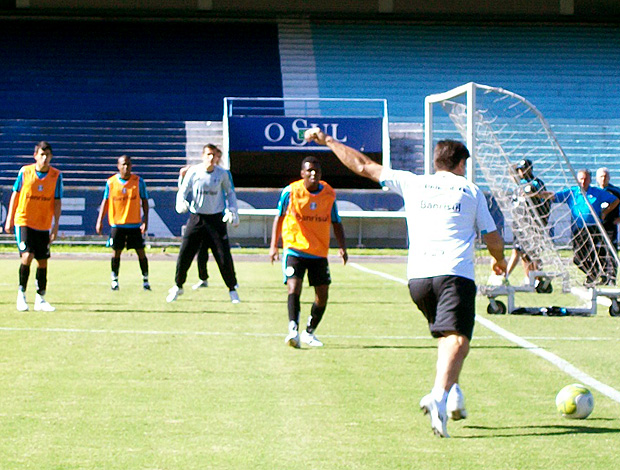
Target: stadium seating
<point>68,83</point>
<point>568,72</point>
<point>87,151</point>
<point>98,89</point>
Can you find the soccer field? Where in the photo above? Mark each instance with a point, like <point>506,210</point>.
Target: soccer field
<point>123,380</point>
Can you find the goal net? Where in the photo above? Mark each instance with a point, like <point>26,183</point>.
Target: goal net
<point>505,134</point>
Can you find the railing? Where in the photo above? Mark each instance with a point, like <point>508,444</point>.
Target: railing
<point>366,225</point>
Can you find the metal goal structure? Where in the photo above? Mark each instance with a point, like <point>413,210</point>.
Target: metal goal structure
<point>501,129</point>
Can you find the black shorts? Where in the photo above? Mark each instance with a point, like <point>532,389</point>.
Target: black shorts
<point>33,241</point>
<point>121,237</point>
<point>447,302</point>
<point>318,269</point>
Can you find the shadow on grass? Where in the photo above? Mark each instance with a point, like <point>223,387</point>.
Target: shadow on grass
<point>369,302</point>
<point>107,307</point>
<point>403,346</point>
<point>379,346</point>
<point>540,430</point>
<point>165,311</point>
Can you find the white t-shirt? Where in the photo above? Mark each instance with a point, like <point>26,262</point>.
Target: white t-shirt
<point>443,211</point>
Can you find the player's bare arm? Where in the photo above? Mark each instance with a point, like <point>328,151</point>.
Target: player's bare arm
<point>495,245</point>
<point>10,216</point>
<point>57,211</point>
<point>103,209</point>
<point>353,159</point>
<point>276,233</point>
<point>340,238</point>
<point>145,216</point>
<point>546,195</point>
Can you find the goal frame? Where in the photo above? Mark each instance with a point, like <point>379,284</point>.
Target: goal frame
<point>466,95</point>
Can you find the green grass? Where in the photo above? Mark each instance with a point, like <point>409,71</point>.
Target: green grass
<point>173,249</point>
<point>123,380</point>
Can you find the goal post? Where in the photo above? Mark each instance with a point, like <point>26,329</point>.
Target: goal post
<point>501,129</point>
<point>466,92</point>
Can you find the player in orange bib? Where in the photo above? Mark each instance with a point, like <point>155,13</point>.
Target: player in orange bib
<point>126,202</point>
<point>307,209</point>
<point>35,203</point>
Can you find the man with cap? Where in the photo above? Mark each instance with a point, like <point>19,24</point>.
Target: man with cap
<point>529,203</point>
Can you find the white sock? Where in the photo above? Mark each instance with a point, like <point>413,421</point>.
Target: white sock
<point>439,394</point>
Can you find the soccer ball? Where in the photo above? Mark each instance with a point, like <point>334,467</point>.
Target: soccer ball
<point>575,402</point>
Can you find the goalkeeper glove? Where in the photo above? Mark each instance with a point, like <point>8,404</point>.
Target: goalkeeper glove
<point>182,206</point>
<point>231,217</point>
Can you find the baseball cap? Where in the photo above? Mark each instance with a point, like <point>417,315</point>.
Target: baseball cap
<point>524,164</point>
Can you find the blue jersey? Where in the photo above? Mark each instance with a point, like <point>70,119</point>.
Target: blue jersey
<point>579,209</point>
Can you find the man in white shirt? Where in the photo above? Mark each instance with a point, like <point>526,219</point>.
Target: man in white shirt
<point>443,211</point>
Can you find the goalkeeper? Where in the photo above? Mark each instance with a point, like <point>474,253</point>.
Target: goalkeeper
<point>530,210</point>
<point>203,252</point>
<point>208,193</point>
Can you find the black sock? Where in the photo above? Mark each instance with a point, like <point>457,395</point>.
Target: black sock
<point>24,274</point>
<point>41,277</point>
<point>144,267</point>
<point>316,314</point>
<point>116,266</point>
<point>293,308</point>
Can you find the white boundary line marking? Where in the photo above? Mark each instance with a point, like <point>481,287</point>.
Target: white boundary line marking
<point>557,361</point>
<point>274,335</point>
<point>194,333</point>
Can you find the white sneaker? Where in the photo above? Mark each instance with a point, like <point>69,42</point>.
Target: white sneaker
<point>114,284</point>
<point>437,413</point>
<point>455,405</point>
<point>41,305</point>
<point>173,293</point>
<point>310,339</point>
<point>22,305</point>
<point>292,339</point>
<point>234,297</point>
<point>200,285</point>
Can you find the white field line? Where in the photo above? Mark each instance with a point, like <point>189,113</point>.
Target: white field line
<point>274,335</point>
<point>557,361</point>
<point>195,333</point>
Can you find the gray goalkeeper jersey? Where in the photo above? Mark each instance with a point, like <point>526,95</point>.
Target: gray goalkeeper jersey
<point>208,193</point>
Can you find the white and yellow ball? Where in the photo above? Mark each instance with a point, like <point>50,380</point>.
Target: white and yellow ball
<point>575,402</point>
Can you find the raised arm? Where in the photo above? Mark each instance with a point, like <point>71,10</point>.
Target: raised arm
<point>353,159</point>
